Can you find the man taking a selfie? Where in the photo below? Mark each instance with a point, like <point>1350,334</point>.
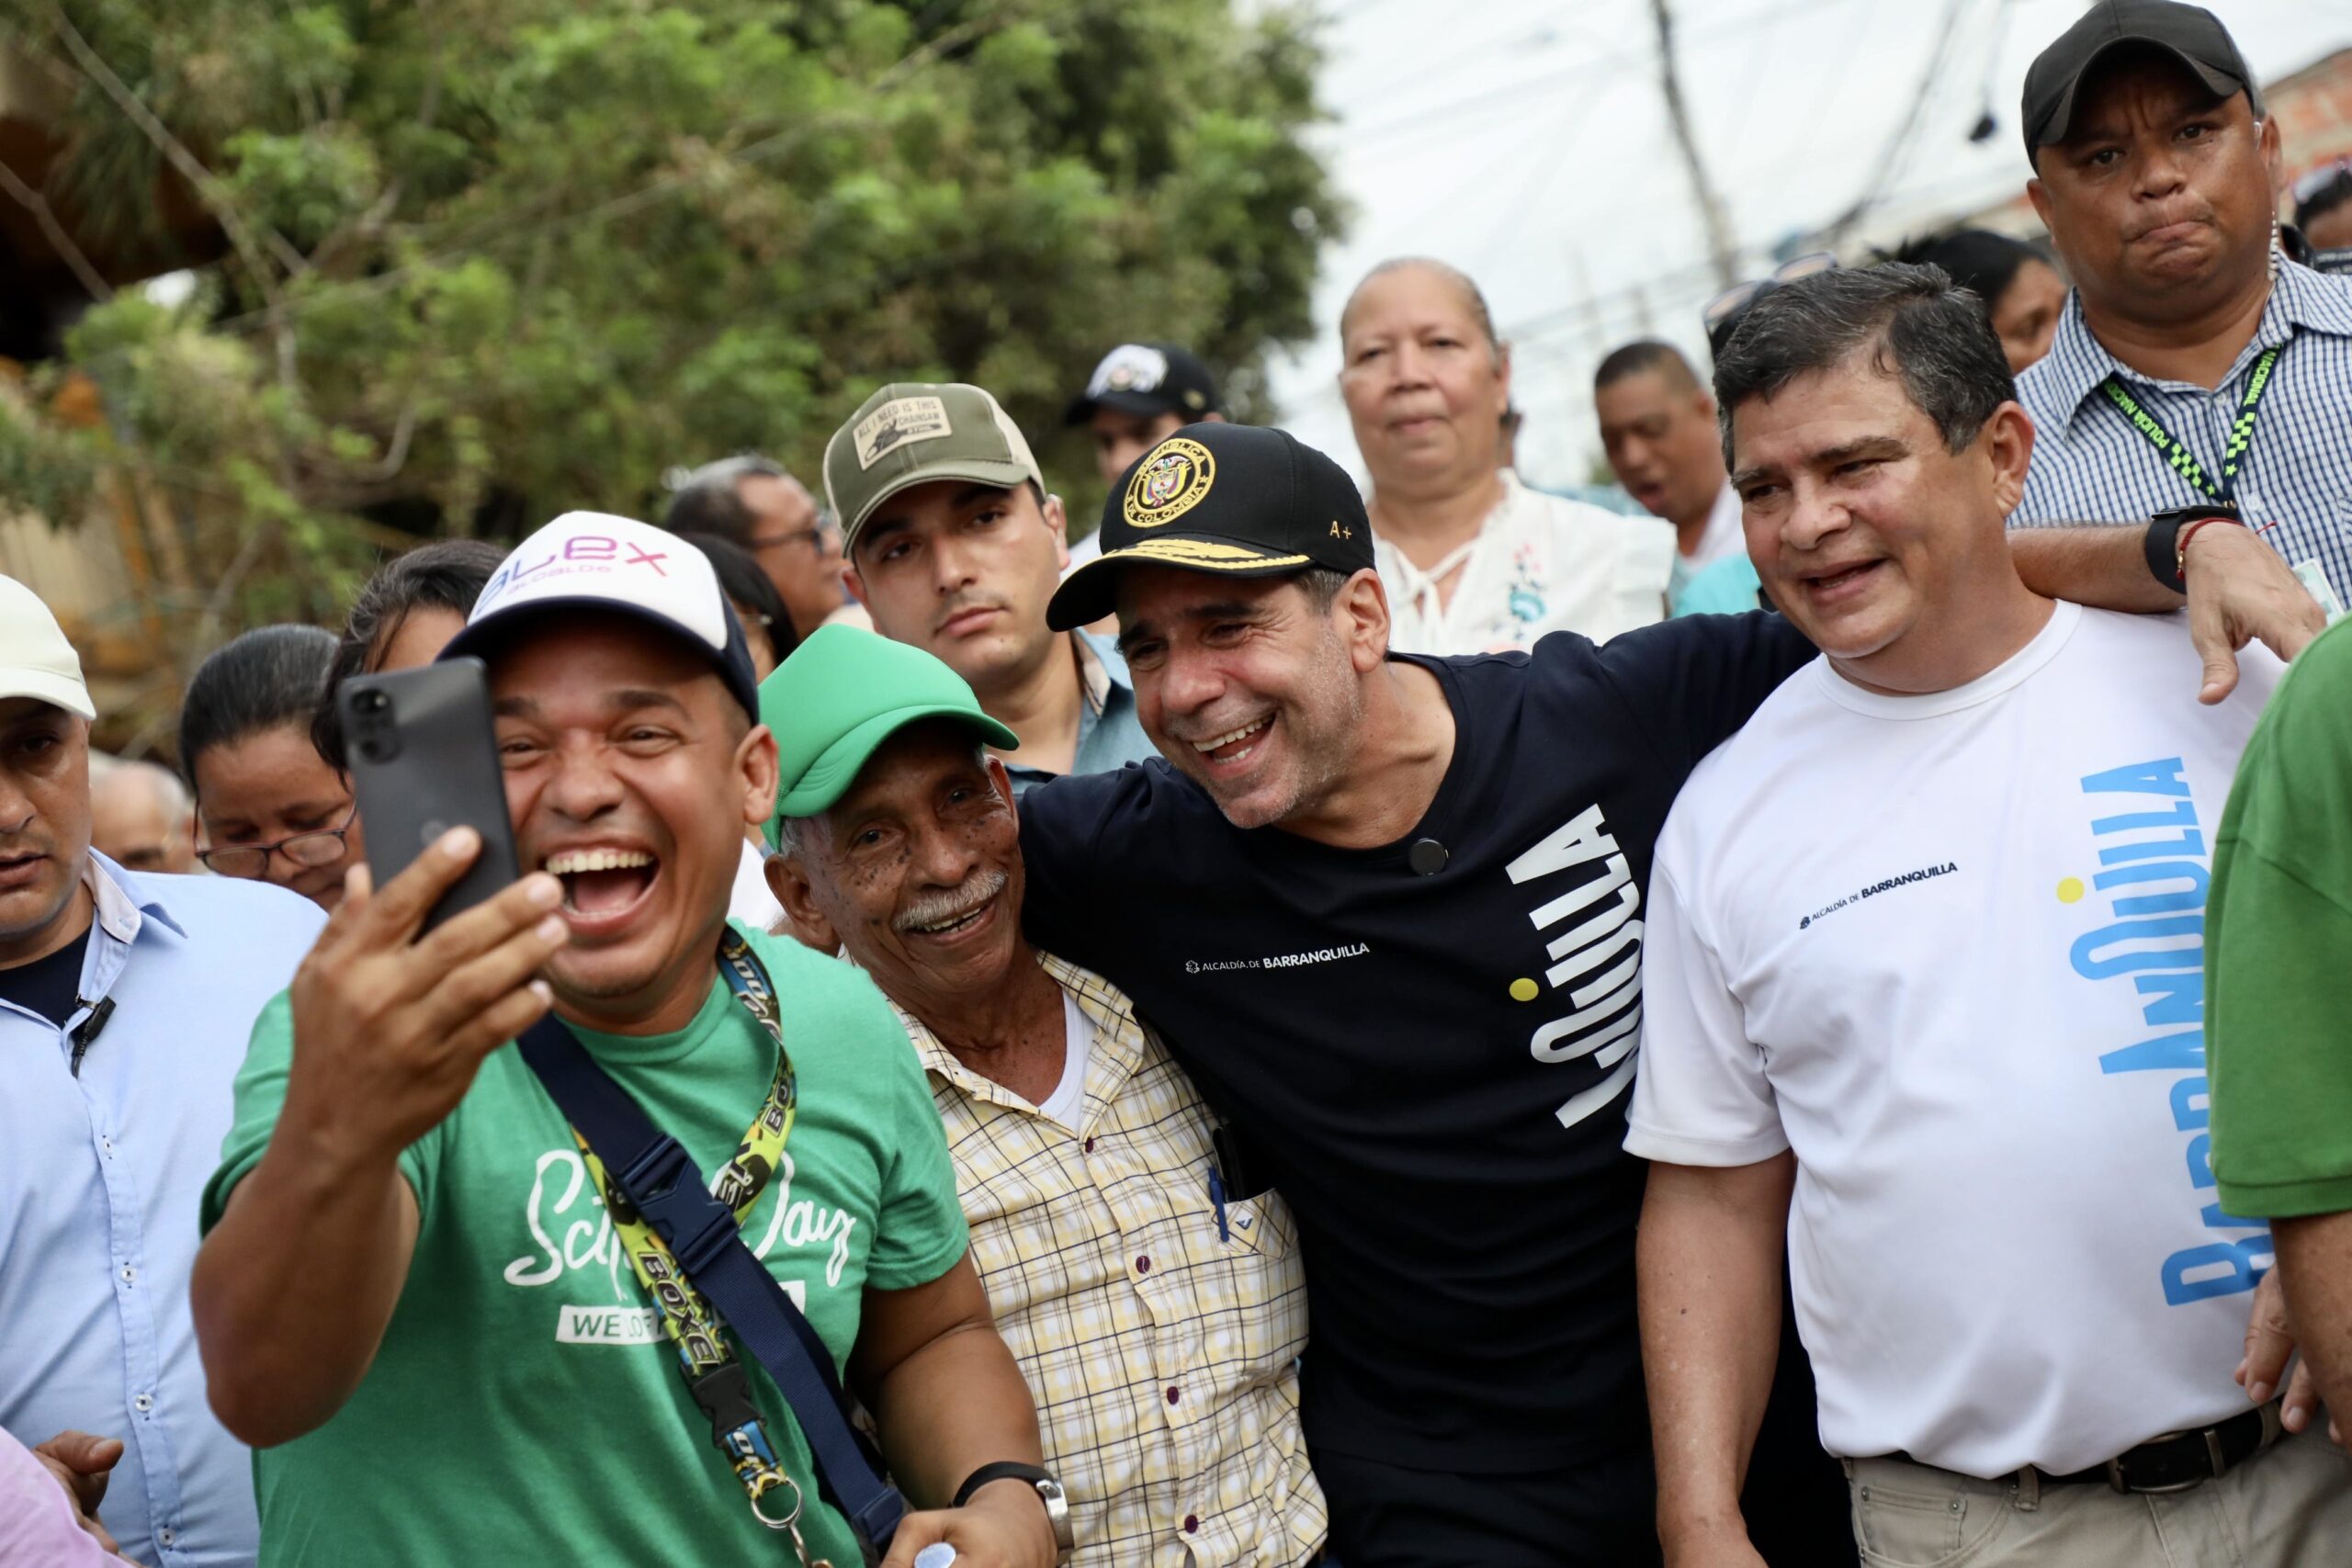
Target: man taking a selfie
<point>406,1235</point>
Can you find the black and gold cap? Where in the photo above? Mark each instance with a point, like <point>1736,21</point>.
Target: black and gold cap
<point>1232,499</point>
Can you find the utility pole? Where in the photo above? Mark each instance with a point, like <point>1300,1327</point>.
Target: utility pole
<point>1720,247</point>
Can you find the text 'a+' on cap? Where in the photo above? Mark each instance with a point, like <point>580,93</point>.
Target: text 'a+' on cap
<point>2190,34</point>
<point>841,694</point>
<point>1229,500</point>
<point>591,560</point>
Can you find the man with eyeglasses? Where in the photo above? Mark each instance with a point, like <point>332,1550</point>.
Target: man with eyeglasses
<point>751,500</point>
<point>125,1000</point>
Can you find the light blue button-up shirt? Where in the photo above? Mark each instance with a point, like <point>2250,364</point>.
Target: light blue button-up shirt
<point>2091,465</point>
<point>1110,731</point>
<point>100,1176</point>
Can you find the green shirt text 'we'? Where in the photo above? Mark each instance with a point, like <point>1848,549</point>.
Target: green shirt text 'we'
<point>525,1408</point>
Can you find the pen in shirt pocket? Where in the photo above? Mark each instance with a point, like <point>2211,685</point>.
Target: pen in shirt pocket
<point>1216,1196</point>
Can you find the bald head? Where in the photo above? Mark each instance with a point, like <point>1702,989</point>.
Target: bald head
<point>141,819</point>
<point>1453,277</point>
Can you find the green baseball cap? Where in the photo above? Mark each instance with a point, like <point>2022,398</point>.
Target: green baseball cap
<point>911,432</point>
<point>840,697</point>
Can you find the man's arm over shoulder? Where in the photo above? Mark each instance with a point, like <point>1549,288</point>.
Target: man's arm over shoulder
<point>1690,683</point>
<point>1080,838</point>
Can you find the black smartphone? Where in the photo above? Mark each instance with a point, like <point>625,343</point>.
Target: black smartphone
<point>424,757</point>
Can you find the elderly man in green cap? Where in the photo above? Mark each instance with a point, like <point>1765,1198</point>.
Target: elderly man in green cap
<point>1151,1293</point>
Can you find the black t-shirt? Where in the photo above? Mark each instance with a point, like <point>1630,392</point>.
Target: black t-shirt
<point>1433,1068</point>
<point>49,985</point>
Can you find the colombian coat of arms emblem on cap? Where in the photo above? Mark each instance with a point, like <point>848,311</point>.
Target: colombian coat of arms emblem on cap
<point>1170,482</point>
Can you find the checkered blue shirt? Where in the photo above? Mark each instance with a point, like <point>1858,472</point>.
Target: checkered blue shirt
<point>2091,465</point>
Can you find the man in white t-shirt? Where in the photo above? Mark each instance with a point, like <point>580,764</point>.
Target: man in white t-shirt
<point>1658,430</point>
<point>1155,1300</point>
<point>1474,561</point>
<point>1923,956</point>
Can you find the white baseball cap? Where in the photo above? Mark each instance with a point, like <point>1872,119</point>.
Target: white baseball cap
<point>35,658</point>
<point>594,560</point>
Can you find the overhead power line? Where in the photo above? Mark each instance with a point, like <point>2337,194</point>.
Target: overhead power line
<point>1721,248</point>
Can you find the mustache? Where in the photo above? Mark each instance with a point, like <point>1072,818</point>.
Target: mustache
<point>947,904</point>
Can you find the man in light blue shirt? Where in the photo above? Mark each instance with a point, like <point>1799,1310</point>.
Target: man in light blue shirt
<point>125,1005</point>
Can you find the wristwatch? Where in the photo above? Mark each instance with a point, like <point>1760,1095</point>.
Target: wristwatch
<point>2164,539</point>
<point>1050,1492</point>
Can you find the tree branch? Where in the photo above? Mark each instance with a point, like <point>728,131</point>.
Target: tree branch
<point>189,167</point>
<point>54,233</point>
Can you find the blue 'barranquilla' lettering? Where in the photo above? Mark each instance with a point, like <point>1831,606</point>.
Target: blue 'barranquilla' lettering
<point>2156,872</point>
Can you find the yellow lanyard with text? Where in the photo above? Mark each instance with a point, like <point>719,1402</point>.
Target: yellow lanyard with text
<point>714,1375</point>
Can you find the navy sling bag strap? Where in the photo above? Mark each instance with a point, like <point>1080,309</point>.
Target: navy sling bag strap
<point>667,1187</point>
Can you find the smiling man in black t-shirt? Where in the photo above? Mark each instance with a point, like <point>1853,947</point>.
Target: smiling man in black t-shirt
<point>1417,996</point>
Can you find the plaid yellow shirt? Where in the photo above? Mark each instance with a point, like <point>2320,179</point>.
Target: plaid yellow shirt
<point>1164,1356</point>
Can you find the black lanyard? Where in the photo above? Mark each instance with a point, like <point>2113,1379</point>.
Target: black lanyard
<point>2184,462</point>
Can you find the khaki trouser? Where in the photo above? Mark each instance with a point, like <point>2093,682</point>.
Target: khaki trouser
<point>2290,1506</point>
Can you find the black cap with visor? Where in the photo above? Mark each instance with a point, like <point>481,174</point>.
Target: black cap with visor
<point>1227,500</point>
<point>2190,34</point>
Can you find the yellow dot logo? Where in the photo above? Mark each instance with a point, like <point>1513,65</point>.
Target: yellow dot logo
<point>2070,890</point>
<point>1523,990</point>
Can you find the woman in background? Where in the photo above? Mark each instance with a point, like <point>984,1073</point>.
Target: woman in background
<point>404,616</point>
<point>268,808</point>
<point>767,625</point>
<point>2021,290</point>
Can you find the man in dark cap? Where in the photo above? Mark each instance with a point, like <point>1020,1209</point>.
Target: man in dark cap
<point>1139,394</point>
<point>2196,371</point>
<point>1388,909</point>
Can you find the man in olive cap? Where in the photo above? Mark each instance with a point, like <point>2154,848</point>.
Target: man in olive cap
<point>1157,1311</point>
<point>955,546</point>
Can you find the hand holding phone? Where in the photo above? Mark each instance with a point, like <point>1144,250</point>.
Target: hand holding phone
<point>429,962</point>
<point>423,751</point>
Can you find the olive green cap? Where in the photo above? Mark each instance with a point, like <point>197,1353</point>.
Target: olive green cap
<point>911,432</point>
<point>842,694</point>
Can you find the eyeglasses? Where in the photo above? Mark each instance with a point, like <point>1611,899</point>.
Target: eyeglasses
<point>319,847</point>
<point>2319,179</point>
<point>814,535</point>
<point>1739,296</point>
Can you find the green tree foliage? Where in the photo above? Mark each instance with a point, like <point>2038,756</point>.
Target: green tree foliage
<point>487,260</point>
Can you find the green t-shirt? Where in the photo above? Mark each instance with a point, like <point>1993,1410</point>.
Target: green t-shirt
<point>2279,952</point>
<point>524,1406</point>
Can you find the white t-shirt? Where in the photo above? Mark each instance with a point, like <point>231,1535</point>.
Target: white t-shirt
<point>1067,1105</point>
<point>750,902</point>
<point>1540,564</point>
<point>1950,950</point>
<point>1722,537</point>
